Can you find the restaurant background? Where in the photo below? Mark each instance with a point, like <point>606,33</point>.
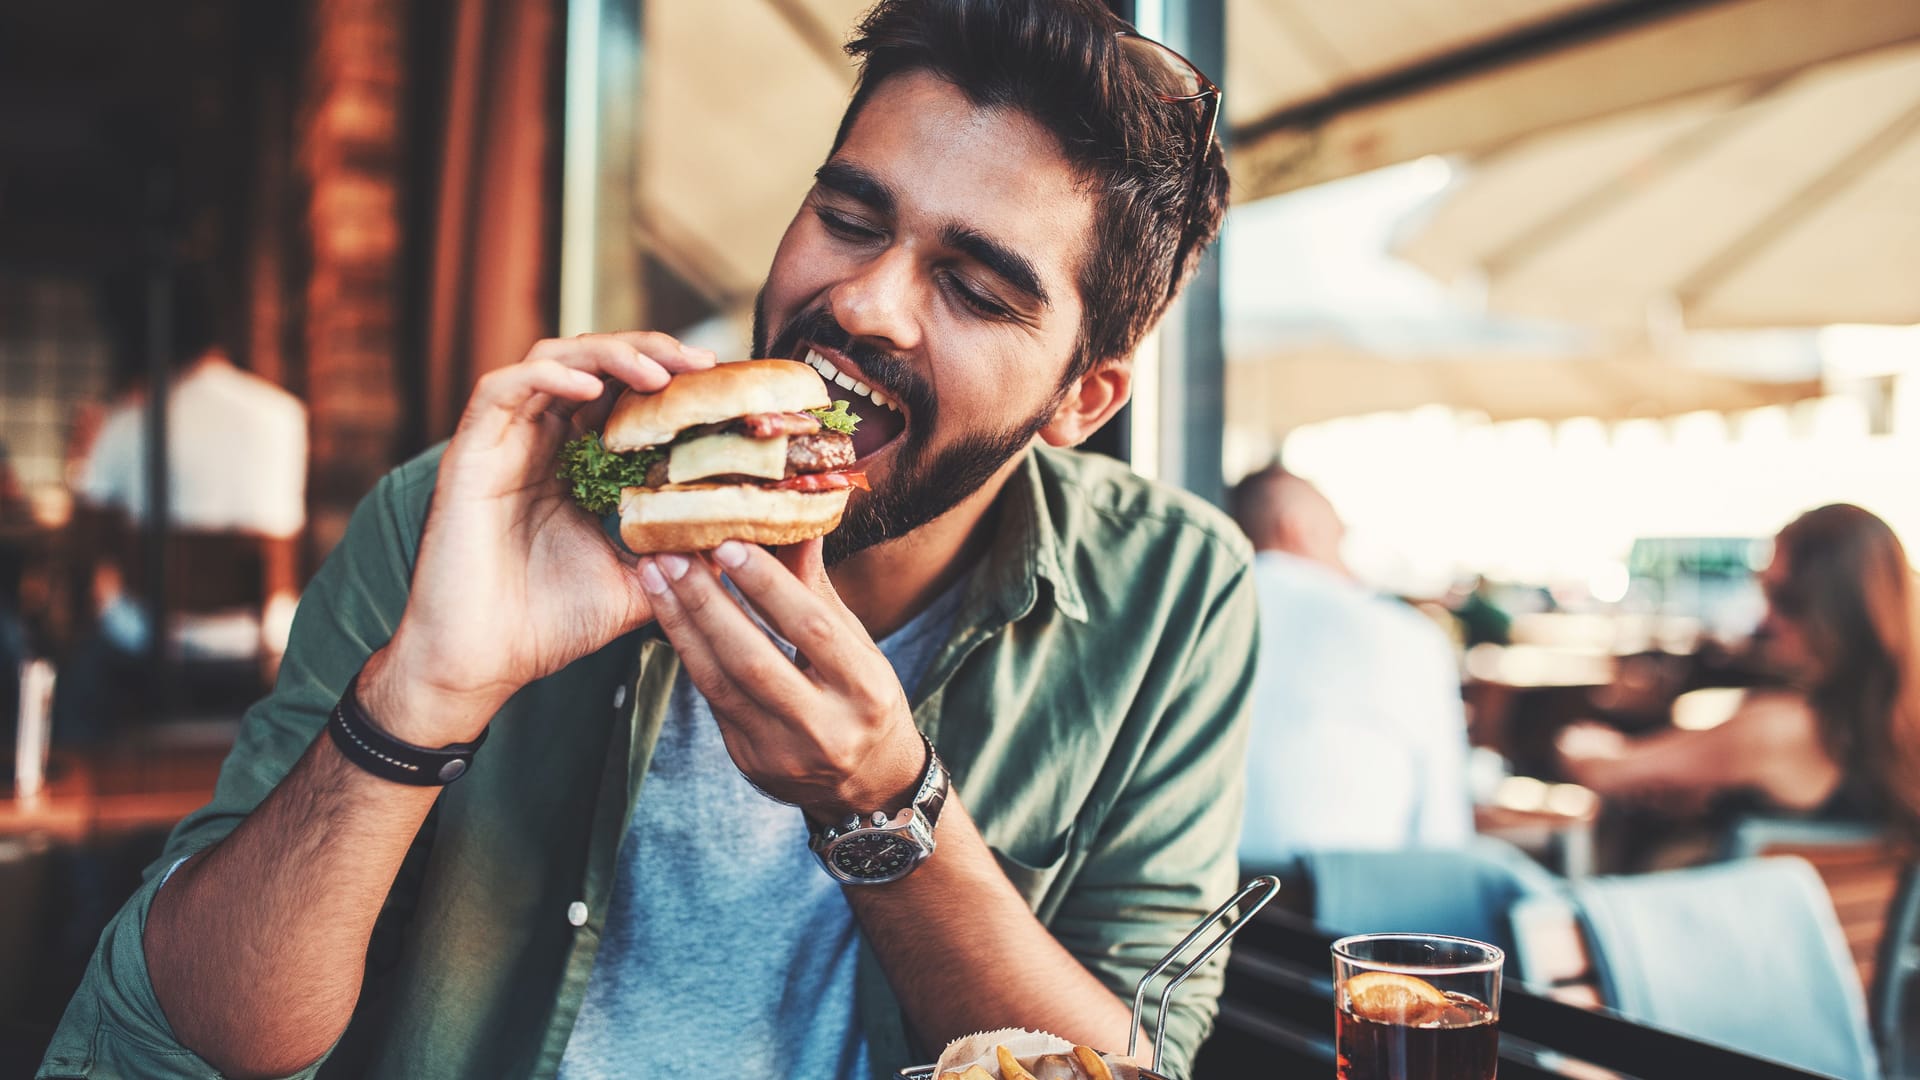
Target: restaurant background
<point>1567,306</point>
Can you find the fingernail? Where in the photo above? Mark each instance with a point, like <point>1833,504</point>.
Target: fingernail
<point>674,565</point>
<point>730,553</point>
<point>651,580</point>
<point>692,353</point>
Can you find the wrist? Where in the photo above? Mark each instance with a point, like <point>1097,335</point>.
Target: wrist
<point>412,709</point>
<point>886,783</point>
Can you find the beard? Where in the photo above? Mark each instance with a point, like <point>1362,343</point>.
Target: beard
<point>923,482</point>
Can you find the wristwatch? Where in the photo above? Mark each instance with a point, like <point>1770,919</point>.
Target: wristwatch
<point>873,849</point>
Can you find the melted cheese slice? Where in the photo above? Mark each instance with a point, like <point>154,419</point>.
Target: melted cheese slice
<point>725,455</point>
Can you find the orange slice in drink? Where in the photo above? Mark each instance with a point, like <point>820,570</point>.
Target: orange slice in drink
<point>1392,998</point>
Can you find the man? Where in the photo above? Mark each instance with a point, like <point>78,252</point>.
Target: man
<point>1359,735</point>
<point>1008,207</point>
<point>236,482</point>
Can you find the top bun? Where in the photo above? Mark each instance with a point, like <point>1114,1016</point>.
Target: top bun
<point>721,392</point>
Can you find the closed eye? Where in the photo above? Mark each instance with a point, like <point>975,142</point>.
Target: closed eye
<point>844,227</point>
<point>981,304</point>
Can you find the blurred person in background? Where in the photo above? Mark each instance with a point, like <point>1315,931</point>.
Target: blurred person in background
<point>1838,739</point>
<point>1359,736</point>
<point>236,466</point>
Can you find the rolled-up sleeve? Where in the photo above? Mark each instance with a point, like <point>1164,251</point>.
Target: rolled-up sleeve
<point>1166,853</point>
<point>114,1026</point>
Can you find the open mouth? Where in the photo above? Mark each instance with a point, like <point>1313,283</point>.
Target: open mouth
<point>881,419</point>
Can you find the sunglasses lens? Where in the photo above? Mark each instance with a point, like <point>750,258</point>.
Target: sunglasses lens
<point>1168,71</point>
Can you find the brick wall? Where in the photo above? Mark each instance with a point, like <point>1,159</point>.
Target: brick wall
<point>350,156</point>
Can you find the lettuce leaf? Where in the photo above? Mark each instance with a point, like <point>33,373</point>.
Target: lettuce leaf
<point>596,474</point>
<point>836,418</point>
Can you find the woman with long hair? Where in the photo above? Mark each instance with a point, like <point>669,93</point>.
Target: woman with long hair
<point>1841,737</point>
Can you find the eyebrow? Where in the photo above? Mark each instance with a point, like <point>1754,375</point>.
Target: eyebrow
<point>1007,264</point>
<point>856,183</point>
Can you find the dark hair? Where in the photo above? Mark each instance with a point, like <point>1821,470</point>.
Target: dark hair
<point>1850,589</point>
<point>195,316</point>
<point>1060,62</point>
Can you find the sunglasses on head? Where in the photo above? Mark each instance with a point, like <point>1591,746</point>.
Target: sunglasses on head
<point>1178,80</point>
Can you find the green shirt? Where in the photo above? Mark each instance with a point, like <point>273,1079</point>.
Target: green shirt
<point>1090,702</point>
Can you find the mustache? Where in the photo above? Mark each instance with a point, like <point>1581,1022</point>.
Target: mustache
<point>893,375</point>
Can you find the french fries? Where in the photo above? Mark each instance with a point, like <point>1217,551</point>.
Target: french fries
<point>1010,1067</point>
<point>1084,1063</point>
<point>1092,1063</point>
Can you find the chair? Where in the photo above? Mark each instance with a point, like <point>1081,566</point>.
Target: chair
<point>1466,892</point>
<point>1891,996</point>
<point>1859,863</point>
<point>1748,953</point>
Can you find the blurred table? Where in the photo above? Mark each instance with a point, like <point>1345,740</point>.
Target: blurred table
<point>102,794</point>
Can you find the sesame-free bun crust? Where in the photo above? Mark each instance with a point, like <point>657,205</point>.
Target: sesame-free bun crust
<point>695,517</point>
<point>721,392</point>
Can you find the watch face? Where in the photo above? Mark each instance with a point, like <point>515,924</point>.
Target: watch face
<point>874,856</point>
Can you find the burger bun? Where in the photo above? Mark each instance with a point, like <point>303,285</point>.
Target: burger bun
<point>696,517</point>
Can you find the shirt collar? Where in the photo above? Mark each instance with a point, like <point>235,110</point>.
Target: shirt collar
<point>1031,543</point>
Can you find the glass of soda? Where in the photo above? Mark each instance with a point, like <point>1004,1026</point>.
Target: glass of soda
<point>1416,1007</point>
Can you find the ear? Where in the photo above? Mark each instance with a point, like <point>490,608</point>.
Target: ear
<point>1090,402</point>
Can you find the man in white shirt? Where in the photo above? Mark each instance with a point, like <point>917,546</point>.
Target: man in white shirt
<point>237,462</point>
<point>1359,735</point>
<point>236,453</point>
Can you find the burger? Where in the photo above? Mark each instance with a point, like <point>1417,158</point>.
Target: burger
<point>753,450</point>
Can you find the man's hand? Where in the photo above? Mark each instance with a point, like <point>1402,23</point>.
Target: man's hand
<point>833,734</point>
<point>514,581</point>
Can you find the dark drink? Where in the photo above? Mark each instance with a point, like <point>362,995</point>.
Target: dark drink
<point>1416,1007</point>
<point>1457,1041</point>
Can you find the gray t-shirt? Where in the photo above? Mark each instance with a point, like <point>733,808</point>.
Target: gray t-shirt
<point>726,941</point>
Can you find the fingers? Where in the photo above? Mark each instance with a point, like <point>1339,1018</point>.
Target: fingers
<point>562,374</point>
<point>523,391</point>
<point>668,352</point>
<point>806,560</point>
<point>642,359</point>
<point>802,608</point>
<point>725,652</point>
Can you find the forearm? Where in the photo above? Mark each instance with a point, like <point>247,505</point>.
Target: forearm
<point>964,954</point>
<point>256,948</point>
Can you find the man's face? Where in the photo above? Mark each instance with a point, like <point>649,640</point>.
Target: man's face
<point>935,261</point>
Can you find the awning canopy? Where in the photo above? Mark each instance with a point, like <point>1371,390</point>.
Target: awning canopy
<point>1792,202</point>
<point>1276,393</point>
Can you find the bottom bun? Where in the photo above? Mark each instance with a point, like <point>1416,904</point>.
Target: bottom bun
<point>695,518</point>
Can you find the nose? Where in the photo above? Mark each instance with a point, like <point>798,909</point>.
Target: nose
<point>878,302</point>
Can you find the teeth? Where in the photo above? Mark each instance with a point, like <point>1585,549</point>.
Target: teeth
<point>840,378</point>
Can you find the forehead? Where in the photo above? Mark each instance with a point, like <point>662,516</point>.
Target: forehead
<point>948,161</point>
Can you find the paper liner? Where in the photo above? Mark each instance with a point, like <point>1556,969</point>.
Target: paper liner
<point>979,1049</point>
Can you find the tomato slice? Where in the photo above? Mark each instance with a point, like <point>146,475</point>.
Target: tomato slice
<point>814,483</point>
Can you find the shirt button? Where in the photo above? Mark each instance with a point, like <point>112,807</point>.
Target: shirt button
<point>577,913</point>
<point>619,696</point>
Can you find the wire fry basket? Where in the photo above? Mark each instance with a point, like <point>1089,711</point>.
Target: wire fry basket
<point>1260,891</point>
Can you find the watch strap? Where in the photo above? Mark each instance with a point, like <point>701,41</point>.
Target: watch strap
<point>934,786</point>
<point>362,742</point>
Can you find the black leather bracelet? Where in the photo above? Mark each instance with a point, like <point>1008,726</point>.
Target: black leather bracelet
<point>379,753</point>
